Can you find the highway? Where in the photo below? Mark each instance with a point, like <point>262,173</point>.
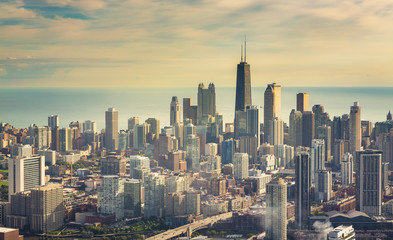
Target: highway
<point>194,226</point>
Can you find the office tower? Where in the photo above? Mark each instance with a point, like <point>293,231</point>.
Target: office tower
<point>308,128</point>
<point>20,204</point>
<point>47,210</point>
<point>345,126</point>
<point>132,122</point>
<point>64,138</point>
<point>320,116</point>
<point>140,133</point>
<point>137,161</point>
<point>272,107</point>
<point>25,173</point>
<point>302,102</point>
<point>123,140</point>
<point>111,129</point>
<point>89,125</point>
<point>177,161</point>
<point>323,187</point>
<point>176,184</point>
<point>243,84</point>
<point>338,151</point>
<point>355,129</point>
<point>20,150</point>
<point>240,124</point>
<point>111,196</point>
<point>154,127</point>
<point>42,136</point>
<point>336,128</point>
<point>276,131</point>
<point>179,133</point>
<point>317,158</point>
<point>347,169</point>
<point>295,128</point>
<point>385,176</point>
<point>211,149</point>
<point>189,111</point>
<point>162,146</point>
<point>53,122</point>
<point>385,143</point>
<point>206,103</point>
<point>276,209</point>
<point>228,149</point>
<point>50,156</point>
<point>369,182</point>
<point>4,211</point>
<point>325,132</point>
<point>286,154</point>
<point>174,111</point>
<point>248,144</point>
<point>240,165</point>
<point>154,195</point>
<point>189,129</point>
<point>133,198</point>
<point>113,165</point>
<point>219,120</point>
<point>192,147</point>
<point>253,121</point>
<point>303,189</point>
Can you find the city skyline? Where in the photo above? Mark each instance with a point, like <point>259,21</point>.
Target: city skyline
<point>54,43</point>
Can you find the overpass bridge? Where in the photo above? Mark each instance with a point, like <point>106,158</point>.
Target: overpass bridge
<point>194,226</point>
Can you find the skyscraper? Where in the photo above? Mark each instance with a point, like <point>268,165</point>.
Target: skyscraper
<point>132,122</point>
<point>192,147</point>
<point>64,138</point>
<point>174,111</point>
<point>323,186</point>
<point>308,128</point>
<point>206,103</point>
<point>154,127</point>
<point>302,102</point>
<point>111,196</point>
<point>243,84</point>
<point>325,132</point>
<point>133,197</point>
<point>111,129</point>
<point>317,158</point>
<point>89,126</point>
<point>53,122</point>
<point>189,111</point>
<point>25,173</point>
<point>369,182</point>
<point>303,189</point>
<point>320,116</point>
<point>347,169</point>
<point>276,132</point>
<point>113,165</point>
<point>47,211</point>
<point>276,210</point>
<point>154,195</point>
<point>272,107</point>
<point>355,128</point>
<point>253,122</point>
<point>240,165</point>
<point>295,128</point>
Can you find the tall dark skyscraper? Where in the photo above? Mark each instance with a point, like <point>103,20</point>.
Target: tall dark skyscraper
<point>243,83</point>
<point>303,190</point>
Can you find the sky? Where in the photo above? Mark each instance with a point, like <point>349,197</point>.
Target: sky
<point>179,43</point>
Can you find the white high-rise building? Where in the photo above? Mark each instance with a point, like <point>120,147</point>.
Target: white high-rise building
<point>25,173</point>
<point>138,161</point>
<point>50,156</point>
<point>317,157</point>
<point>111,196</point>
<point>154,195</point>
<point>211,149</point>
<point>286,154</point>
<point>347,169</point>
<point>276,132</point>
<point>276,210</point>
<point>192,148</point>
<point>240,165</point>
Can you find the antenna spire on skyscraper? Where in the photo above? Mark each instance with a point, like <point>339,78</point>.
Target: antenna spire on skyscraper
<point>241,59</point>
<point>245,48</point>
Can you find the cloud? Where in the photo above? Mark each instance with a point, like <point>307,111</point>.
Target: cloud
<point>292,42</point>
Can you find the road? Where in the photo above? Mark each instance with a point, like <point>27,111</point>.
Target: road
<point>194,226</point>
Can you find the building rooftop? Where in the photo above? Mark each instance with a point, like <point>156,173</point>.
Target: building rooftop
<point>5,230</point>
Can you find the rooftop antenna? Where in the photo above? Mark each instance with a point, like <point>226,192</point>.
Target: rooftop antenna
<point>245,48</point>
<point>242,53</point>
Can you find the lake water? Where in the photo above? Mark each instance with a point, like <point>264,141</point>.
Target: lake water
<point>23,106</point>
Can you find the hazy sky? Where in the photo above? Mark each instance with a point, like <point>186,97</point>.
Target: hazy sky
<point>154,43</point>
